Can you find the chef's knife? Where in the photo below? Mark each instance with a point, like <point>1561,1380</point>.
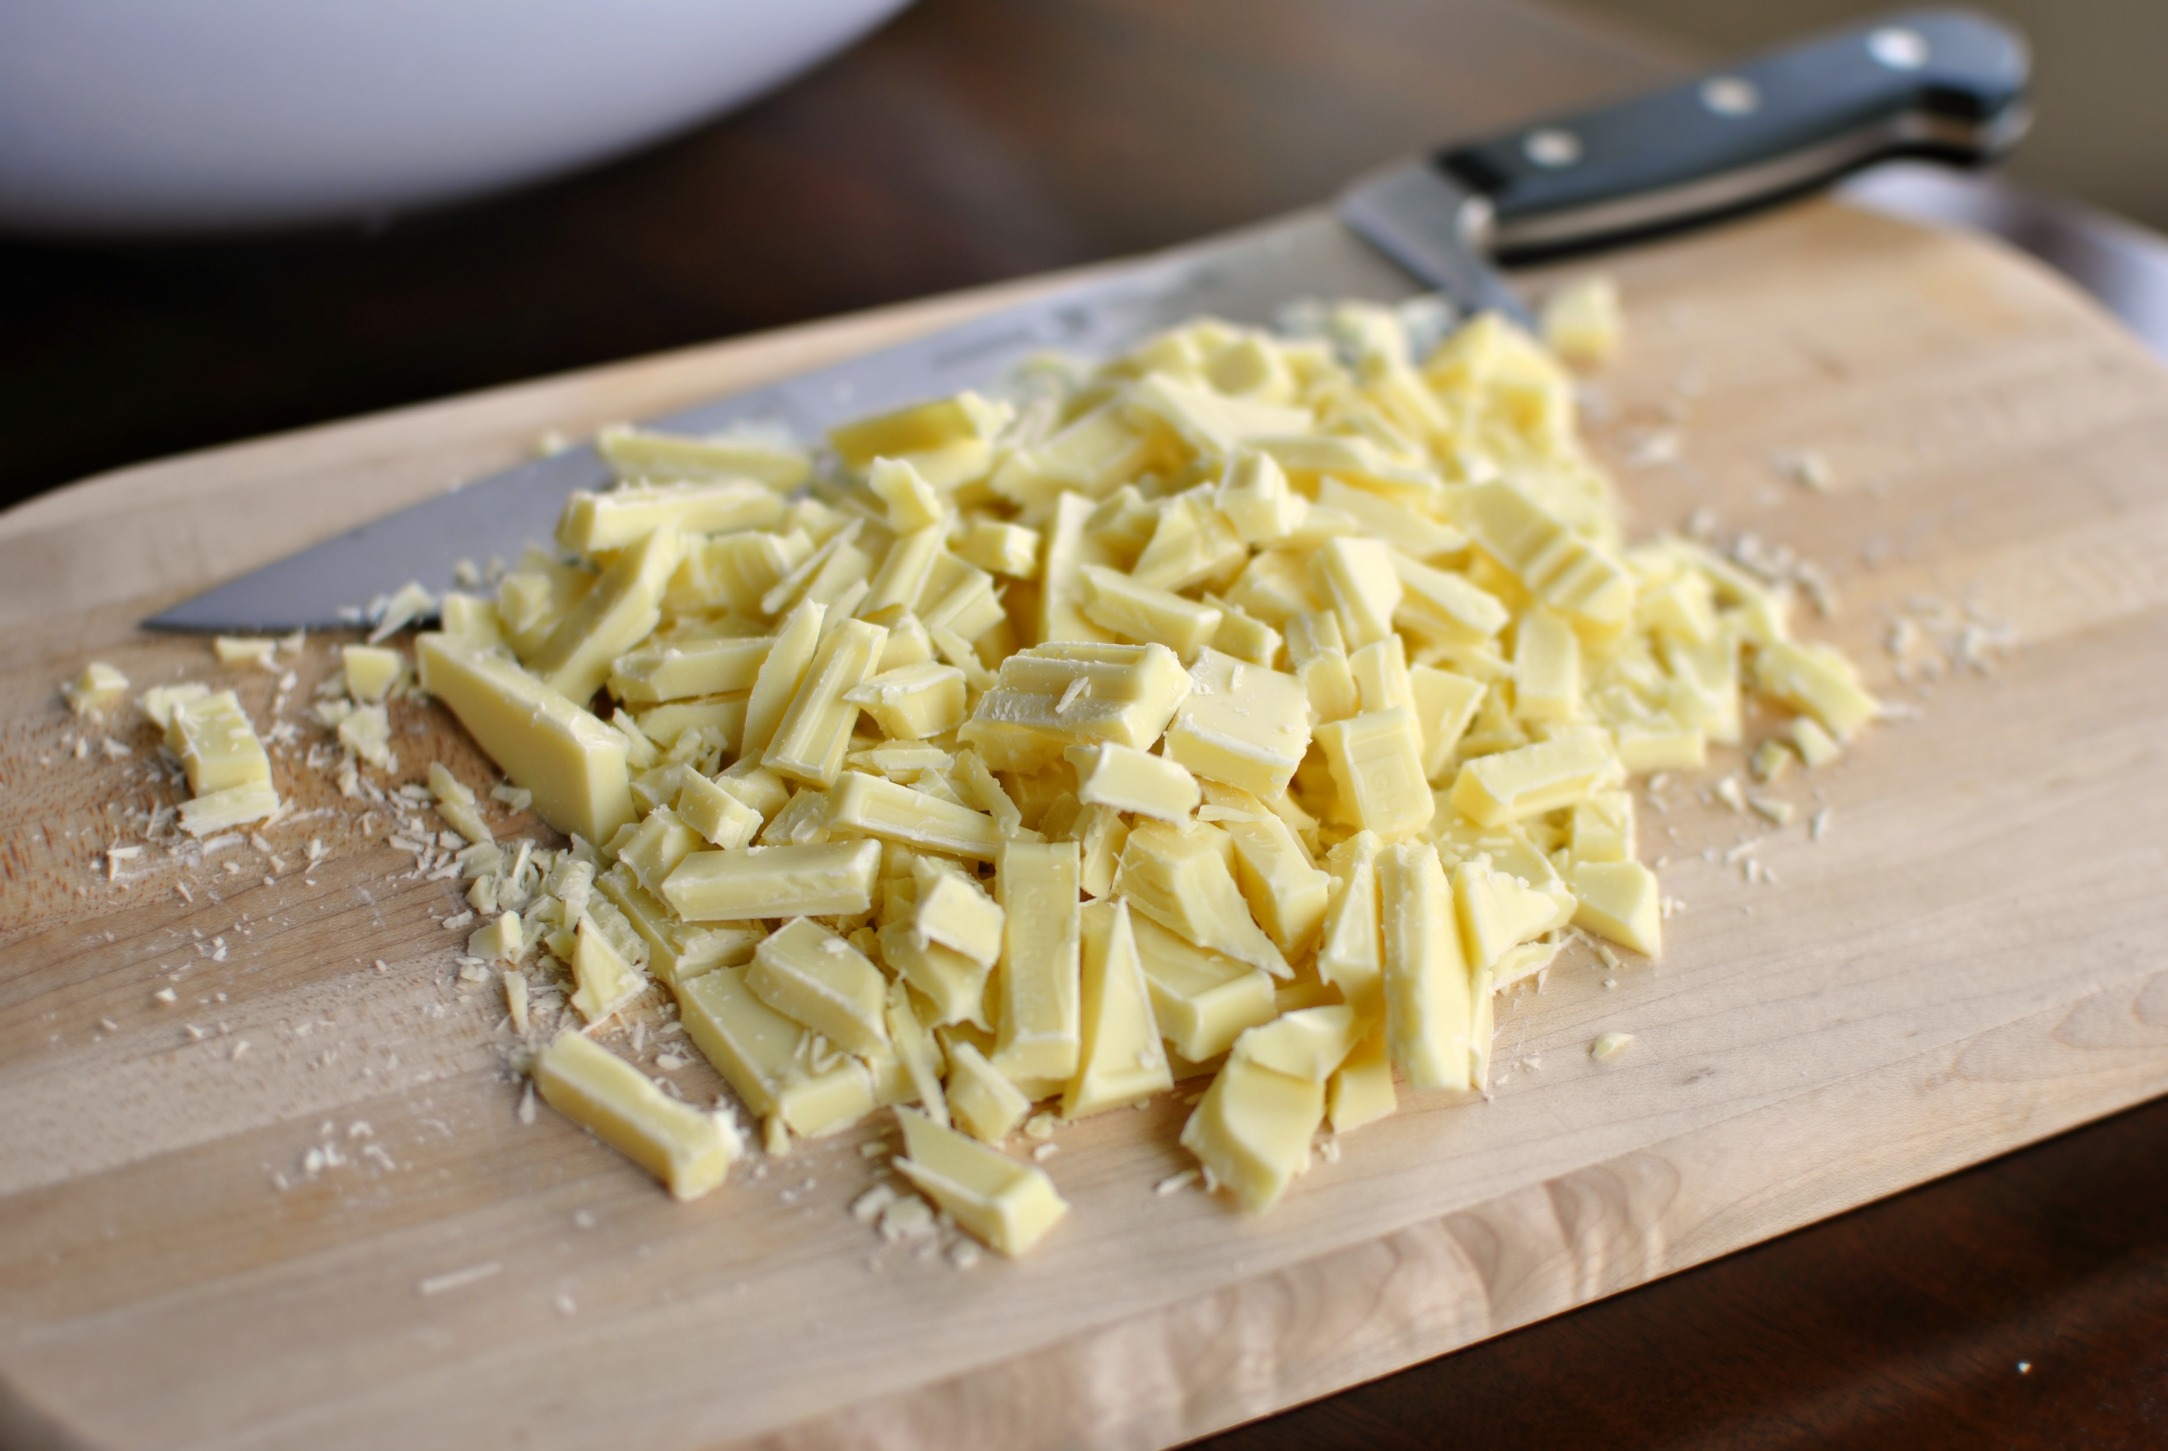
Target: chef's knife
<point>1939,84</point>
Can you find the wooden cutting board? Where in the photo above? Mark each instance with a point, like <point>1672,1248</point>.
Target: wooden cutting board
<point>1970,959</point>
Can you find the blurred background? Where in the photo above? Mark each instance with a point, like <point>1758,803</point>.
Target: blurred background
<point>963,141</point>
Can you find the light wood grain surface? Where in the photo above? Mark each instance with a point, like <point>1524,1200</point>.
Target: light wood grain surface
<point>1969,961</point>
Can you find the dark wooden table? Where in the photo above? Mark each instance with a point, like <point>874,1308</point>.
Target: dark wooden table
<point>981,139</point>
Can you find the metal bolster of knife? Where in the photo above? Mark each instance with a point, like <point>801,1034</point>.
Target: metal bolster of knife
<point>1945,84</point>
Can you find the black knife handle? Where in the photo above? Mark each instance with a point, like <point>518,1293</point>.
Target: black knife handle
<point>1947,84</point>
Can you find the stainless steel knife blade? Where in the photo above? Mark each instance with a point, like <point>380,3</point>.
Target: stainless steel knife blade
<point>1939,84</point>
<point>1248,276</point>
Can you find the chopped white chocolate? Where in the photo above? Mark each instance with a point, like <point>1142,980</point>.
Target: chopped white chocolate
<point>1582,322</point>
<point>216,745</point>
<point>1242,724</point>
<point>690,1151</point>
<point>814,977</point>
<point>371,671</point>
<point>1201,1000</point>
<point>1181,880</point>
<point>1376,759</point>
<point>1038,1022</point>
<point>573,763</point>
<point>1122,1060</point>
<point>100,687</point>
<point>1006,1205</point>
<point>1250,706</point>
<point>817,879</point>
<point>1428,1000</point>
<point>1129,780</point>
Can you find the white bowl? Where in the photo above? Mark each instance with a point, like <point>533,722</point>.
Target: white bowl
<point>198,115</point>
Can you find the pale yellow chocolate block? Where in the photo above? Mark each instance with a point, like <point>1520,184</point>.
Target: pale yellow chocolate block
<point>1127,779</point>
<point>986,1105</point>
<point>158,703</point>
<point>1530,780</point>
<point>1361,1090</point>
<point>1008,1206</point>
<point>1315,648</point>
<point>217,811</point>
<point>371,671</point>
<point>98,688</point>
<point>1602,828</point>
<point>1357,576</point>
<point>1253,1129</point>
<point>715,812</point>
<point>1100,833</point>
<point>1130,610</point>
<point>637,453</point>
<point>952,983</point>
<point>620,611</point>
<point>1428,1004</point>
<point>911,500</point>
<point>954,911</point>
<point>1819,680</point>
<point>1184,880</point>
<point>1309,1043</point>
<point>244,650</point>
<point>1445,704</point>
<point>1351,956</point>
<point>457,804</point>
<point>914,701</point>
<point>366,731</point>
<point>755,785</point>
<point>1396,520</point>
<point>777,680</point>
<point>881,808</point>
<point>1621,901</point>
<point>688,669</point>
<point>1001,548</point>
<point>606,980</point>
<point>814,977</point>
<point>1210,422</point>
<point>1286,894</point>
<point>689,1150</point>
<point>815,731</point>
<point>1376,760</point>
<point>1057,695</point>
<point>1037,985</point>
<point>1573,575</point>
<point>574,764</point>
<point>216,745</point>
<point>653,847</point>
<point>918,429</point>
<point>1275,587</point>
<point>1242,724</point>
<point>596,523</point>
<point>1123,1060</point>
<point>1381,675</point>
<point>1256,498</point>
<point>903,574</point>
<point>1191,545</point>
<point>1496,913</point>
<point>1816,746</point>
<point>918,1055</point>
<point>1546,668</point>
<point>503,940</point>
<point>1201,1001</point>
<point>1069,547</point>
<point>1582,321</point>
<point>754,1047</point>
<point>471,617</point>
<point>817,880</point>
